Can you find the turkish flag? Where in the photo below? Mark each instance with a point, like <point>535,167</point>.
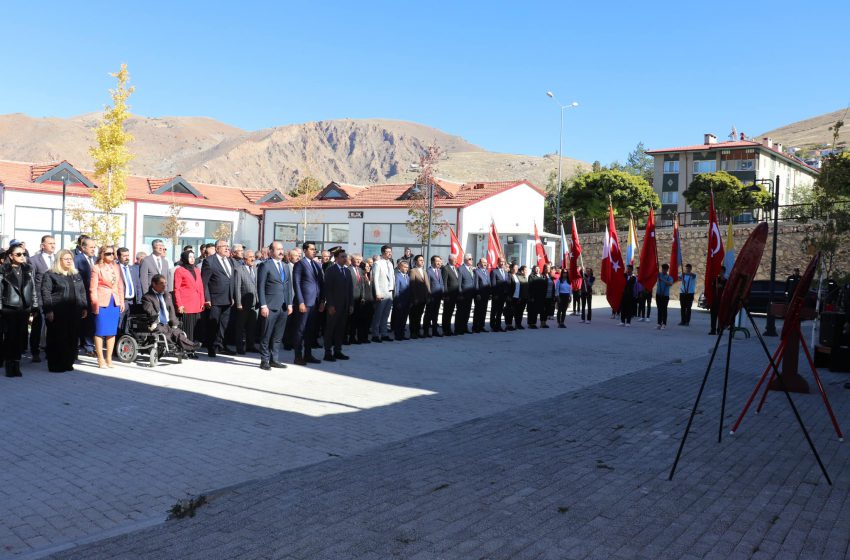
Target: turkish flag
<point>648,274</point>
<point>494,247</point>
<point>575,255</point>
<point>616,282</point>
<point>715,254</point>
<point>457,248</point>
<point>676,252</point>
<point>541,251</point>
<point>605,267</point>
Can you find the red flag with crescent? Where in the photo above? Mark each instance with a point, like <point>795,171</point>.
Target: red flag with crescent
<point>616,282</point>
<point>675,252</point>
<point>538,247</point>
<point>715,254</point>
<point>648,274</point>
<point>494,247</point>
<point>575,255</point>
<point>457,248</point>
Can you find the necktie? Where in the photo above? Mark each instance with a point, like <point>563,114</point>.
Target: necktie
<point>128,284</point>
<point>225,266</point>
<point>280,271</point>
<point>50,261</point>
<point>163,312</point>
<point>158,264</point>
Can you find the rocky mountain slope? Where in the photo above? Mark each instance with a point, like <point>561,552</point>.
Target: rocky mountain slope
<point>811,132</point>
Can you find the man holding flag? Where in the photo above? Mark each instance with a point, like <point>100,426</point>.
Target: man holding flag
<point>713,265</point>
<point>648,270</point>
<point>613,268</point>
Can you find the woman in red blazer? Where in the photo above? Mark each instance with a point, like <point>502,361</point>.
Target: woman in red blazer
<point>106,293</point>
<point>188,293</point>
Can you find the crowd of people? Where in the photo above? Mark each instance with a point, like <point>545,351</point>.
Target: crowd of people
<point>236,301</point>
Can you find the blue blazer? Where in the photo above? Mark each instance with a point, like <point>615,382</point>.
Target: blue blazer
<point>436,281</point>
<point>482,280</point>
<point>272,290</point>
<point>467,281</point>
<point>83,266</point>
<point>308,281</point>
<point>403,294</point>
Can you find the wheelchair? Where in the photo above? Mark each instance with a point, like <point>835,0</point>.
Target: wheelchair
<point>137,339</point>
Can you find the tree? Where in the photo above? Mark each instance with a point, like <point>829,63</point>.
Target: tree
<point>639,163</point>
<point>302,199</point>
<point>589,194</point>
<point>829,232</point>
<point>111,158</point>
<point>309,186</point>
<point>173,227</point>
<point>730,194</point>
<point>422,217</point>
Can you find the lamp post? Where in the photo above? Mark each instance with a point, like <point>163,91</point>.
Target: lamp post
<point>560,149</point>
<point>64,191</point>
<point>415,191</point>
<point>770,324</point>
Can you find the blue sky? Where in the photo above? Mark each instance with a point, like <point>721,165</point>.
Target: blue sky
<point>660,72</point>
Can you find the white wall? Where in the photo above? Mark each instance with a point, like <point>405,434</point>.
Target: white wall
<point>514,211</point>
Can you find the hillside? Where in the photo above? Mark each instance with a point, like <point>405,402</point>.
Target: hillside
<point>350,151</point>
<point>810,132</point>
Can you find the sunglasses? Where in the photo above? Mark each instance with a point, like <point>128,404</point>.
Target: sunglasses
<point>17,254</point>
<point>109,254</point>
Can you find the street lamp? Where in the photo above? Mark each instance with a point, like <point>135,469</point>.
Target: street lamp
<point>64,192</point>
<point>770,324</point>
<point>415,191</point>
<point>560,149</point>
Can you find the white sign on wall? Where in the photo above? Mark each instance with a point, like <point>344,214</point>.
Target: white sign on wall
<point>194,228</point>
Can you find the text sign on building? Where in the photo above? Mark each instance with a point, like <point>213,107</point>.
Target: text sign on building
<point>355,214</point>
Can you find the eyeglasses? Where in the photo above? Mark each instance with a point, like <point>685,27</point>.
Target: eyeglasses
<point>109,254</point>
<point>17,254</point>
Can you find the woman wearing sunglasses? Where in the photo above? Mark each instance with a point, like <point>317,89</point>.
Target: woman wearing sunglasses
<point>106,292</point>
<point>16,299</point>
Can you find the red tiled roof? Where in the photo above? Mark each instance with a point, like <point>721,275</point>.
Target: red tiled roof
<point>733,144</point>
<point>387,196</point>
<point>17,175</point>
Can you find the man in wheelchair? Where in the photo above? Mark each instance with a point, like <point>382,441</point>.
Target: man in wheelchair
<point>163,318</point>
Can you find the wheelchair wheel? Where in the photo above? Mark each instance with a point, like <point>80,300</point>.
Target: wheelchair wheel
<point>154,356</point>
<point>127,349</point>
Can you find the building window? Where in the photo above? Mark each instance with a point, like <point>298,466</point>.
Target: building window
<point>705,166</point>
<point>30,223</point>
<point>398,237</point>
<point>669,197</point>
<point>196,233</point>
<point>671,166</point>
<point>324,236</point>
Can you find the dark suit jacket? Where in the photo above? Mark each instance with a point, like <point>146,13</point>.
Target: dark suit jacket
<point>150,305</point>
<point>358,283</point>
<point>272,291</point>
<point>83,266</point>
<point>137,282</point>
<point>308,281</point>
<point>451,280</point>
<point>467,282</point>
<point>218,286</point>
<point>482,281</point>
<point>420,285</point>
<point>39,268</point>
<point>402,295</point>
<point>245,285</point>
<point>338,288</point>
<point>499,282</point>
<point>436,281</point>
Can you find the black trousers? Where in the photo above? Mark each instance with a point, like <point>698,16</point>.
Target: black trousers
<point>627,310</point>
<point>245,328</point>
<point>586,306</point>
<point>87,332</point>
<point>364,320</point>
<point>535,311</point>
<point>335,329</point>
<point>686,301</point>
<point>270,331</point>
<point>353,321</point>
<point>14,334</point>
<point>464,306</point>
<point>190,323</point>
<point>398,319</point>
<point>548,308</point>
<point>62,338</point>
<point>576,304</point>
<point>304,332</point>
<point>35,331</point>
<point>517,309</point>
<point>497,309</point>
<point>432,310</point>
<point>662,302</point>
<point>479,315</point>
<point>713,310</point>
<point>563,306</point>
<point>416,311</point>
<point>644,305</point>
<point>217,326</point>
<point>449,302</point>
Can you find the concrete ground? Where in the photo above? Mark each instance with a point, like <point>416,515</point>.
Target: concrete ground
<point>448,447</point>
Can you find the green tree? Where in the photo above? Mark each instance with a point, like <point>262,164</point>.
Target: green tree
<point>309,186</point>
<point>111,158</point>
<point>589,194</point>
<point>730,194</point>
<point>829,231</point>
<point>639,163</point>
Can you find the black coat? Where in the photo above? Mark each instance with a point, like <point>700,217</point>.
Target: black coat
<point>61,292</point>
<point>17,288</point>
<point>537,287</point>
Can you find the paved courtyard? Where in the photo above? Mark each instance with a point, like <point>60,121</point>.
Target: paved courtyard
<point>531,444</point>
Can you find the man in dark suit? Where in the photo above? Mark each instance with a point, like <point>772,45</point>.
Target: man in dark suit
<point>338,305</point>
<point>451,287</point>
<point>274,294</point>
<point>217,275</point>
<point>155,263</point>
<point>432,308</point>
<point>132,288</point>
<point>402,297</point>
<point>245,314</point>
<point>83,262</point>
<point>41,263</point>
<point>465,295</point>
<point>499,287</point>
<point>482,296</point>
<point>308,282</point>
<point>420,291</point>
<point>290,258</point>
<point>358,286</point>
<point>156,303</point>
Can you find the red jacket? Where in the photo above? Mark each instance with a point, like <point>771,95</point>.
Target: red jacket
<point>188,290</point>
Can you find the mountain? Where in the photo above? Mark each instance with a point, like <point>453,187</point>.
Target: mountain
<point>349,151</point>
<point>810,133</point>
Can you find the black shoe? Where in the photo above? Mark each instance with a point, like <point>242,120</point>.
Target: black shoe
<point>532,326</point>
<point>265,366</point>
<point>253,349</point>
<point>402,337</point>
<point>36,358</point>
<point>299,361</point>
<point>544,326</point>
<point>312,360</point>
<point>562,326</point>
<point>228,352</point>
<point>329,358</point>
<point>211,354</point>
<point>287,347</point>
<point>483,330</point>
<point>438,335</point>
<point>386,339</point>
<point>341,356</point>
<point>316,345</point>
<point>367,341</point>
<point>712,333</point>
<point>376,339</point>
<point>278,365</point>
<point>240,352</point>
<point>520,328</point>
